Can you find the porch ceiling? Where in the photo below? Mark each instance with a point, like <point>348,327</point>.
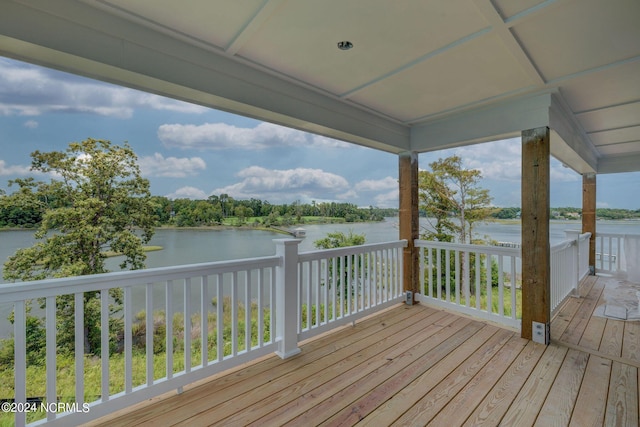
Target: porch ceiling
<point>421,76</point>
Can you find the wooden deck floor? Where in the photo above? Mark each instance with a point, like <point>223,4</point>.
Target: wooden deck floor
<point>423,366</point>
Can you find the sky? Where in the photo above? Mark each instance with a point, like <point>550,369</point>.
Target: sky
<point>189,151</point>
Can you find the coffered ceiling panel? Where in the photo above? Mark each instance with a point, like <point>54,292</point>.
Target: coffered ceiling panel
<point>461,76</point>
<point>199,20</point>
<point>300,40</point>
<point>581,35</point>
<point>509,8</point>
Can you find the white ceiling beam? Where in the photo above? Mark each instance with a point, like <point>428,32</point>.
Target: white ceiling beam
<point>573,147</point>
<point>618,164</point>
<point>504,120</point>
<point>486,8</point>
<point>264,13</point>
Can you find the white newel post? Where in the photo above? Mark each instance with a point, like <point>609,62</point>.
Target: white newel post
<point>287,297</point>
<point>575,236</point>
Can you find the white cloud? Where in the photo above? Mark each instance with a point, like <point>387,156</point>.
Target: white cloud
<point>221,136</point>
<point>187,193</point>
<point>15,170</point>
<point>499,160</point>
<point>280,186</point>
<point>171,167</point>
<point>31,124</point>
<point>349,195</point>
<point>377,184</point>
<point>387,200</point>
<point>31,91</point>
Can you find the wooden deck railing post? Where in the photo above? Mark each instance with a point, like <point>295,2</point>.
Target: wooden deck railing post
<point>589,216</point>
<point>409,220</point>
<point>536,289</point>
<point>287,298</point>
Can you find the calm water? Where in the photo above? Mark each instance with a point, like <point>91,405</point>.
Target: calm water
<point>204,245</point>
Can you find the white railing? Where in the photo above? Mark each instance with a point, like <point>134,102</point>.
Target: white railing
<point>483,281</point>
<point>569,265</point>
<point>184,301</point>
<point>266,304</point>
<point>608,252</point>
<point>617,254</point>
<point>341,285</point>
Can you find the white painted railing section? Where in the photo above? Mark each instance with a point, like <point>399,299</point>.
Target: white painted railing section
<point>485,281</point>
<point>173,307</point>
<point>608,252</point>
<point>569,265</point>
<point>185,323</point>
<point>479,280</point>
<point>339,286</point>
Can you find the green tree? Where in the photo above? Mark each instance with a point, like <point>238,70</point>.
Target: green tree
<point>451,194</point>
<point>338,239</point>
<point>103,204</point>
<point>453,191</point>
<point>434,198</point>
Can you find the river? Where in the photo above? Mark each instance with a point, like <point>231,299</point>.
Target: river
<point>188,246</point>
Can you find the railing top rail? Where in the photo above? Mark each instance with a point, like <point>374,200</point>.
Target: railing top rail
<point>560,246</point>
<point>584,236</point>
<point>51,287</point>
<point>618,235</point>
<point>487,249</point>
<point>350,250</point>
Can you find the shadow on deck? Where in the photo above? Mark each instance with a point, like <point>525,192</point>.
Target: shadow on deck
<point>419,365</point>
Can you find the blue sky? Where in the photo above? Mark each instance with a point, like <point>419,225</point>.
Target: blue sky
<point>190,151</point>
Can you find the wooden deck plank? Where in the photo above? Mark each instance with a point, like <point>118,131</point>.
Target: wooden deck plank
<point>611,343</point>
<point>590,407</point>
<point>579,322</point>
<point>371,399</point>
<point>345,397</point>
<point>527,403</point>
<point>232,383</point>
<point>286,404</point>
<point>561,321</point>
<point>561,399</point>
<point>592,336</point>
<point>622,404</point>
<point>439,396</point>
<point>492,409</point>
<point>631,341</point>
<point>460,408</point>
<point>389,411</point>
<point>285,385</point>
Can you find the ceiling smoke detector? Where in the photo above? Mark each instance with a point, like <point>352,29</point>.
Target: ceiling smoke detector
<point>345,45</point>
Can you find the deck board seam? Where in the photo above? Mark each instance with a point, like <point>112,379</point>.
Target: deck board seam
<point>634,363</point>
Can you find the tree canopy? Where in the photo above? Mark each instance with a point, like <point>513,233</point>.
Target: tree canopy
<point>448,192</point>
<point>101,203</point>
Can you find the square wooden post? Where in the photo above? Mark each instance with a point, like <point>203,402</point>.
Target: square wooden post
<point>536,266</point>
<point>409,220</point>
<point>589,216</point>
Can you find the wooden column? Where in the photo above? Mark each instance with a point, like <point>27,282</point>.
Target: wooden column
<point>536,264</point>
<point>589,215</point>
<point>409,221</point>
